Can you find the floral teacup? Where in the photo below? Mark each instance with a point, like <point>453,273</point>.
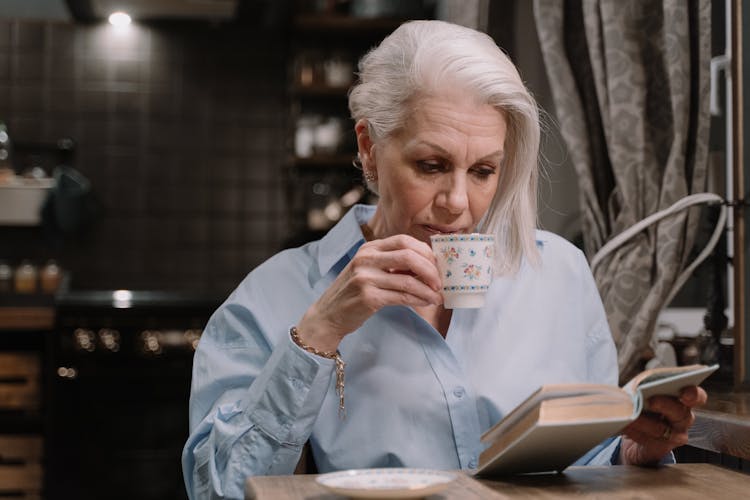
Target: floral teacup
<point>465,262</point>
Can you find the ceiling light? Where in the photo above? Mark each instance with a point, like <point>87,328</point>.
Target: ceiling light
<point>119,19</point>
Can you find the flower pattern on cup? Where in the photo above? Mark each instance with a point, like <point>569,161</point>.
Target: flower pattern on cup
<point>488,251</point>
<point>472,271</point>
<point>450,254</point>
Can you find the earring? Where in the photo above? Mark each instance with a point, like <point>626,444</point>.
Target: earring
<point>357,163</point>
<point>370,175</point>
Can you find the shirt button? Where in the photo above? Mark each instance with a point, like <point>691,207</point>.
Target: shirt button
<point>472,463</point>
<point>459,392</point>
<point>297,383</point>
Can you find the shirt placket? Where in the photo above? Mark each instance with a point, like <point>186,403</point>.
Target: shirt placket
<point>459,395</point>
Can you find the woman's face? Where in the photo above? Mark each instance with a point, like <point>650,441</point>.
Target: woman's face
<point>439,174</point>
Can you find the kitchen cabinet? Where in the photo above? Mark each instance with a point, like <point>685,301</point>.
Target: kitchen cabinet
<point>119,391</point>
<point>22,411</point>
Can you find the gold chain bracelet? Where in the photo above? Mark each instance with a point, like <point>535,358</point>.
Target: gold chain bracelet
<point>336,357</point>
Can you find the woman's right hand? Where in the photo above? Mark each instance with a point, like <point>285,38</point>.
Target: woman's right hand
<point>398,270</point>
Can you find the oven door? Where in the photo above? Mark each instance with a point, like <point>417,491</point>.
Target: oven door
<point>118,413</point>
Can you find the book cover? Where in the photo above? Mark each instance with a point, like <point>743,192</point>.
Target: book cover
<point>558,424</point>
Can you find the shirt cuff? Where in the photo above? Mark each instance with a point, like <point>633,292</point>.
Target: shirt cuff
<point>602,454</point>
<point>290,391</point>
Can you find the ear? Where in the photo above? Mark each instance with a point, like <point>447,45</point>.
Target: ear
<point>365,145</point>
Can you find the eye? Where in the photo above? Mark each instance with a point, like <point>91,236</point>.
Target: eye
<point>430,166</point>
<point>484,171</point>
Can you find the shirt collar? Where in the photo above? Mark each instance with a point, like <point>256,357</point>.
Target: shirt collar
<point>344,239</point>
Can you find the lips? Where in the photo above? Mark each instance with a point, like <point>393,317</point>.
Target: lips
<point>443,229</point>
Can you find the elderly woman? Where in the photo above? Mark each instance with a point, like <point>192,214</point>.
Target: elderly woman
<point>448,138</point>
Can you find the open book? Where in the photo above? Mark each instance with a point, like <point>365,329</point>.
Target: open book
<point>558,424</point>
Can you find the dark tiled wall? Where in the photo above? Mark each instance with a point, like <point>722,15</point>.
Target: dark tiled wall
<point>179,128</point>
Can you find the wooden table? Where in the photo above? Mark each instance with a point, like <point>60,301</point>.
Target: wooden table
<point>723,424</point>
<point>684,481</point>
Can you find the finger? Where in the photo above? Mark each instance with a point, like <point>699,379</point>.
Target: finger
<point>672,413</point>
<point>656,434</point>
<point>403,288</point>
<point>396,298</point>
<point>648,440</point>
<point>670,409</point>
<point>374,287</point>
<point>686,421</point>
<point>693,396</point>
<point>634,453</point>
<point>642,449</point>
<point>401,241</point>
<point>402,260</point>
<point>649,425</point>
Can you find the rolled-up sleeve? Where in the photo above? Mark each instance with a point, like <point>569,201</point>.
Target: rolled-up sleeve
<point>252,406</point>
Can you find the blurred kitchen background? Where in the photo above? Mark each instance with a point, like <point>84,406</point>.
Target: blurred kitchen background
<point>211,133</point>
<point>145,169</point>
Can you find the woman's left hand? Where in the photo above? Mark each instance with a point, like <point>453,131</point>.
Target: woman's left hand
<point>662,426</point>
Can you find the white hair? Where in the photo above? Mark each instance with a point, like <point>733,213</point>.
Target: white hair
<point>421,58</point>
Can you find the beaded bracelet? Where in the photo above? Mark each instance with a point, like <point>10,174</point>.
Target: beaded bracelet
<point>336,357</point>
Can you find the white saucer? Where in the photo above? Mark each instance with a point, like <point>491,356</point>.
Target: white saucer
<point>386,483</point>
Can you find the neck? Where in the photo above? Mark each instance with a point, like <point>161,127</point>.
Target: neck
<point>367,232</point>
<point>437,316</point>
<point>375,228</point>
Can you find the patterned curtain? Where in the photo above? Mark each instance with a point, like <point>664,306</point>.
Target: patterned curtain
<point>630,83</point>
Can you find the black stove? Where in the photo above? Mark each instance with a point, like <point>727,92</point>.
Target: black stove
<point>121,362</point>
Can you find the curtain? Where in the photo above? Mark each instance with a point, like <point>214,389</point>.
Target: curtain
<point>630,84</point>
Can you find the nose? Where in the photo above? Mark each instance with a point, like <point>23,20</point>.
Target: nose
<point>454,196</point>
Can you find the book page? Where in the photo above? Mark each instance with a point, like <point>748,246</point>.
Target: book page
<point>671,385</point>
<point>665,381</point>
<point>590,407</point>
<point>655,374</point>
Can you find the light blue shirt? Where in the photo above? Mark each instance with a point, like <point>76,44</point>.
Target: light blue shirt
<point>413,398</point>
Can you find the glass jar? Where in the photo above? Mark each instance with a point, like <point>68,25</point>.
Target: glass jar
<point>26,278</point>
<point>5,147</point>
<point>50,277</point>
<point>338,70</point>
<point>6,278</point>
<point>6,168</point>
<point>304,136</point>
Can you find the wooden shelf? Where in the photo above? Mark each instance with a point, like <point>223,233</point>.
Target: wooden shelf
<point>27,318</point>
<point>316,39</point>
<point>342,24</point>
